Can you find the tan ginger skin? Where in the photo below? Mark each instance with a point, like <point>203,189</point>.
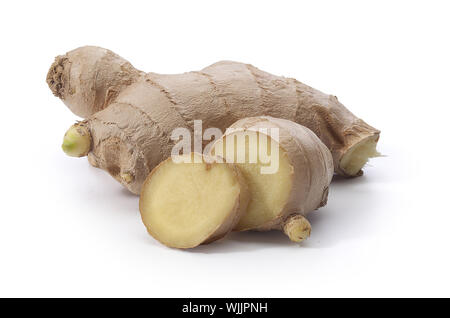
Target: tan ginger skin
<point>131,114</point>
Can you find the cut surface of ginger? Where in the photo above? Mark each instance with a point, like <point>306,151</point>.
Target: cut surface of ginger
<point>186,204</point>
<point>269,192</point>
<point>355,159</point>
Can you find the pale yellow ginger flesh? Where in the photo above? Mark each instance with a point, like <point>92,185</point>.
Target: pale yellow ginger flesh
<point>356,158</point>
<point>77,141</point>
<point>288,171</point>
<point>269,192</point>
<point>186,204</point>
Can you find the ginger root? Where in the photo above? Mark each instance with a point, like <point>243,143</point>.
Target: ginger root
<point>297,228</point>
<point>279,200</point>
<point>88,79</point>
<point>131,114</point>
<point>184,205</point>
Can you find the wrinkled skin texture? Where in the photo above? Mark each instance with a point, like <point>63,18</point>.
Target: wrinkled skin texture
<point>131,114</point>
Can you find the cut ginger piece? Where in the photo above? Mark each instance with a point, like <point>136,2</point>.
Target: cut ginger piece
<point>269,191</point>
<point>358,155</point>
<point>287,169</point>
<point>196,201</point>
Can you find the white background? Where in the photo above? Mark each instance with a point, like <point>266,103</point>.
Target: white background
<point>67,229</point>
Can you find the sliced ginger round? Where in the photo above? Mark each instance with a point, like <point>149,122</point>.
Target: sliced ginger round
<point>187,204</point>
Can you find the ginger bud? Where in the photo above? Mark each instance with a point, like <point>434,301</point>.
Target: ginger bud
<point>77,141</point>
